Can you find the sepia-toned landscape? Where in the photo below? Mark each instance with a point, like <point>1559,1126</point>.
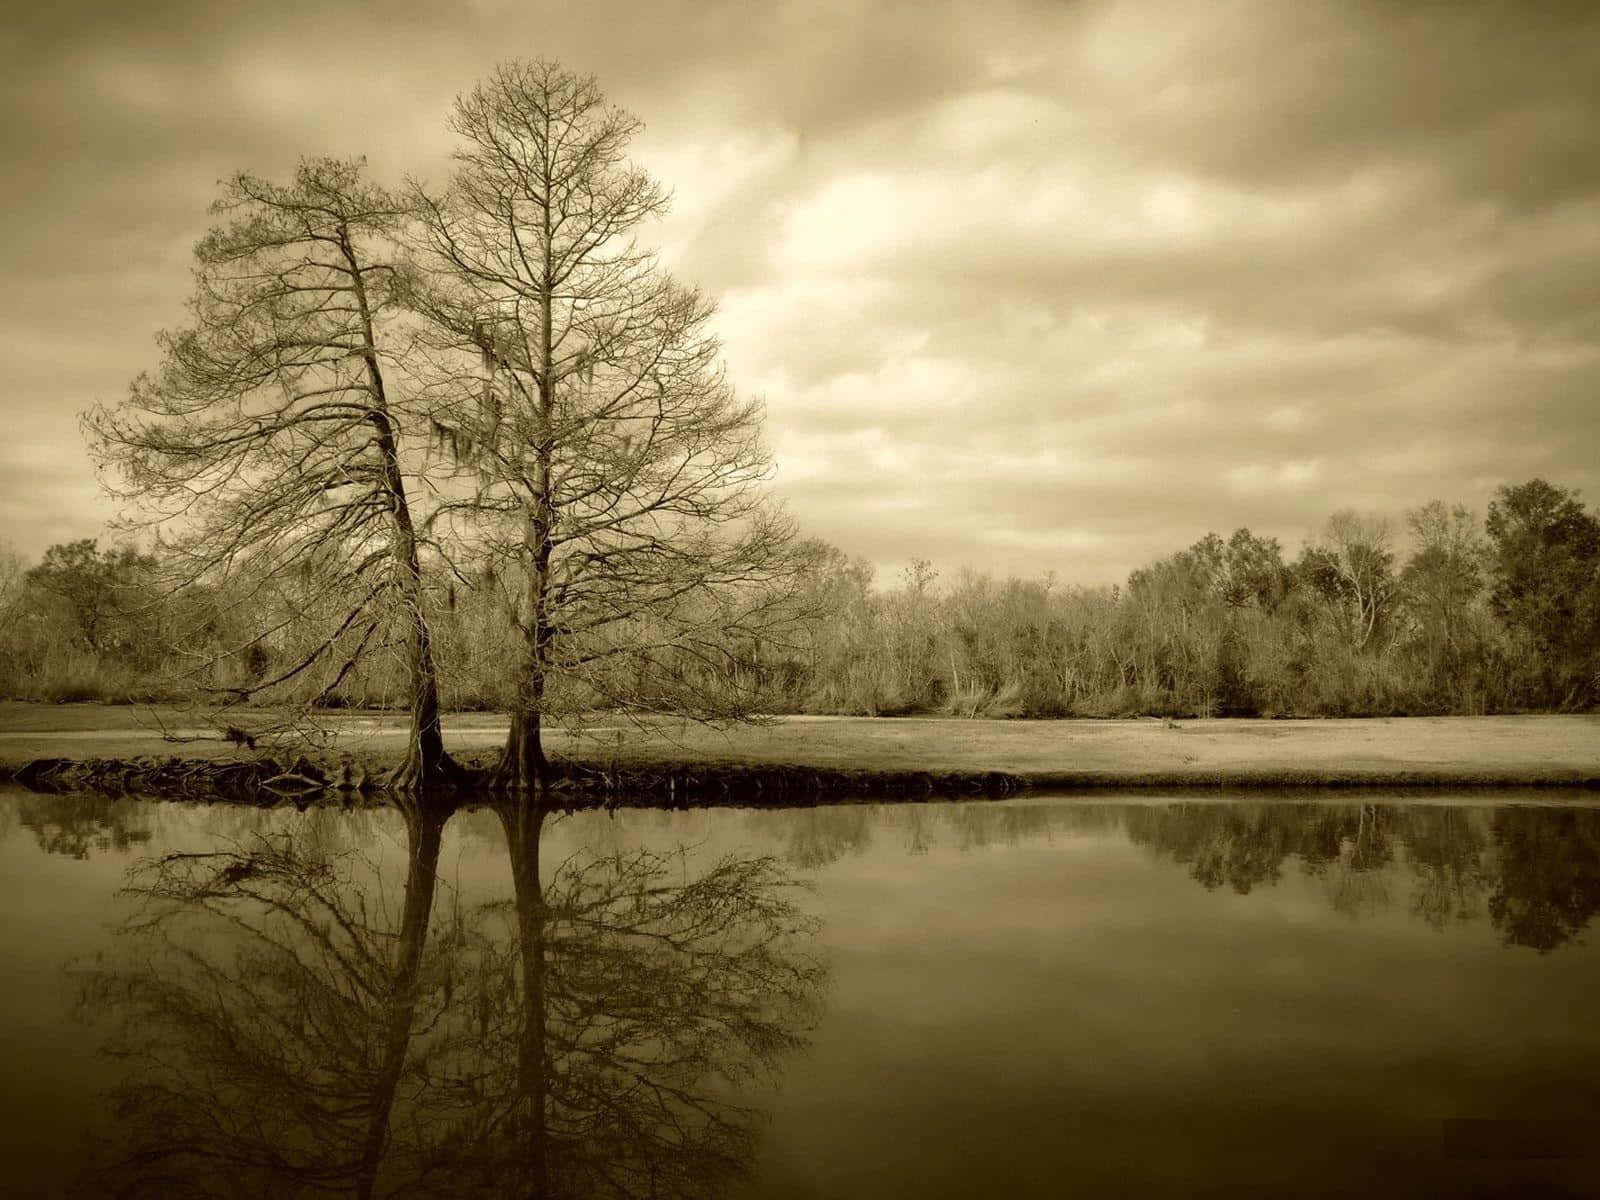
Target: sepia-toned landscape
<point>801,601</point>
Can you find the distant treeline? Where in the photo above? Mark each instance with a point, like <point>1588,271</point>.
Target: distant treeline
<point>1497,616</point>
<point>1478,618</point>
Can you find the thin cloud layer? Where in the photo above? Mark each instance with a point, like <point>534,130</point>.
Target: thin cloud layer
<point>1025,287</point>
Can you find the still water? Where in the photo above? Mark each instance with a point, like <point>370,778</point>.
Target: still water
<point>1035,998</point>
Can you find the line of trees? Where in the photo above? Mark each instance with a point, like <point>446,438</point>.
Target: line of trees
<point>1497,616</point>
<point>1503,616</point>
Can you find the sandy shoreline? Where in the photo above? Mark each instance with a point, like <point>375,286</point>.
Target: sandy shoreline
<point>1546,750</point>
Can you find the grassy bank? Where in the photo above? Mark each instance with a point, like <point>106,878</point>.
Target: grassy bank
<point>1426,751</point>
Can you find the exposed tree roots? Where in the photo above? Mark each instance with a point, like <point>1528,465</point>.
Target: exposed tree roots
<point>563,785</point>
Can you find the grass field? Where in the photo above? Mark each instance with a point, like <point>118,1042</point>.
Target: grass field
<point>1509,750</point>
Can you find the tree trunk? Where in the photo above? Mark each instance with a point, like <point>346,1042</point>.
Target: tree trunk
<point>523,766</point>
<point>426,761</point>
<point>523,824</point>
<point>427,830</point>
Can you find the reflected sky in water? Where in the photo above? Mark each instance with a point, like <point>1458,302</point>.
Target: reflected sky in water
<point>1030,998</point>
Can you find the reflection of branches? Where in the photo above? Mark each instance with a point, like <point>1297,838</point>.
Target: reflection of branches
<point>263,1012</point>
<point>976,825</point>
<point>1445,849</point>
<point>636,986</point>
<point>825,834</point>
<point>287,1033</point>
<point>1357,881</point>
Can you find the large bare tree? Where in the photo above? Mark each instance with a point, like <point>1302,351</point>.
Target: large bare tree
<point>267,448</point>
<point>611,479</point>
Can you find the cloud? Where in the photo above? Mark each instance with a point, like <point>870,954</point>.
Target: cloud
<point>1029,286</point>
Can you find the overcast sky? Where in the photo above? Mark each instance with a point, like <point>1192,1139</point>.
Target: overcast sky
<point>1026,287</point>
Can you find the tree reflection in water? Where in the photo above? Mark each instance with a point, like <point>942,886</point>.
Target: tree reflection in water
<point>290,1025</point>
<point>285,1032</point>
<point>1536,869</point>
<point>80,824</point>
<point>1445,848</point>
<point>1547,887</point>
<point>1533,869</point>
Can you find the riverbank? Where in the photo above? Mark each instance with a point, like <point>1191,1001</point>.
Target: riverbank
<point>1515,751</point>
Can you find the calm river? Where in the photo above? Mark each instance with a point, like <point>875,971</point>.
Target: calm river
<point>1041,997</point>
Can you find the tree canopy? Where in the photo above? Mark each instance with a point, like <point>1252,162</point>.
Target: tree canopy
<point>266,449</point>
<point>614,476</point>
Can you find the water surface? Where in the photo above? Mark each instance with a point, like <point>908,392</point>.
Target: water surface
<point>1169,998</point>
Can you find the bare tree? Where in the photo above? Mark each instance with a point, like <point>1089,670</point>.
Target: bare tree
<point>1359,552</point>
<point>1445,574</point>
<point>13,590</point>
<point>267,447</point>
<point>614,476</point>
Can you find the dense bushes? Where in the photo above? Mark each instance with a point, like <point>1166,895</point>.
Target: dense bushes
<point>83,624</point>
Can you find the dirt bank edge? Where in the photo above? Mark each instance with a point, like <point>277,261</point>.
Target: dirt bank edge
<point>257,779</point>
<point>269,780</point>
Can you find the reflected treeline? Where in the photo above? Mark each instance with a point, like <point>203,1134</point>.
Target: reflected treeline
<point>292,1024</point>
<point>1548,885</point>
<point>815,837</point>
<point>84,825</point>
<point>79,824</point>
<point>1534,871</point>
